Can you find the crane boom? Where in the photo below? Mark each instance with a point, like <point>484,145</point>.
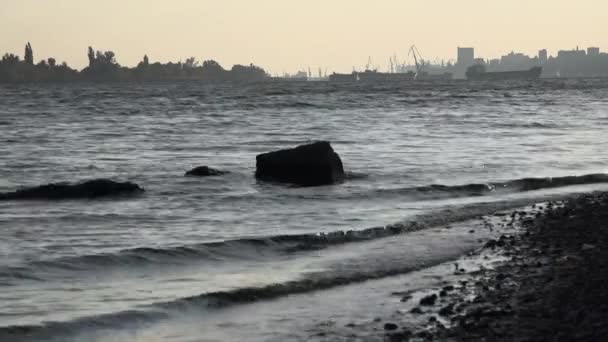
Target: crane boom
<point>419,65</point>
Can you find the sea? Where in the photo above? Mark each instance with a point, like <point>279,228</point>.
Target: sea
<point>230,258</point>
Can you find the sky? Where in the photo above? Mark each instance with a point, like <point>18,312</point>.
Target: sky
<point>290,35</point>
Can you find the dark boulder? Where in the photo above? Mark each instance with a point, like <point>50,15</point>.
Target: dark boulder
<point>306,165</point>
<point>429,300</point>
<point>89,189</point>
<point>204,171</point>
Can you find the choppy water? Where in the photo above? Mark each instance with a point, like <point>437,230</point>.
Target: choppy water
<point>424,155</point>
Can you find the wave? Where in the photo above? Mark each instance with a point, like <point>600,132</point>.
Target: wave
<point>212,300</point>
<point>215,300</point>
<point>309,282</point>
<point>525,125</point>
<point>267,247</point>
<point>437,191</point>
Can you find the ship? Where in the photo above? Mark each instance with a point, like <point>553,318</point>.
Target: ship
<point>375,76</point>
<point>372,76</point>
<point>343,77</point>
<point>425,76</point>
<point>478,73</point>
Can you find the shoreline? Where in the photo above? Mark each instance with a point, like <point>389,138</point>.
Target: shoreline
<point>551,288</point>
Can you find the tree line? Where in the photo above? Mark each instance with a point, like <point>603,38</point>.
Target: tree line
<point>103,66</point>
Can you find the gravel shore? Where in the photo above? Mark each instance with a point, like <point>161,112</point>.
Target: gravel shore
<point>553,288</point>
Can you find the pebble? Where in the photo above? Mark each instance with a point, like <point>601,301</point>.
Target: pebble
<point>416,310</point>
<point>447,310</point>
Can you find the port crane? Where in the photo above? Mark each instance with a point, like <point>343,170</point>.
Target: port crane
<point>368,66</point>
<point>419,65</point>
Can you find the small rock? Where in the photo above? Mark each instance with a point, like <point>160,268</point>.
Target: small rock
<point>416,310</point>
<point>429,300</point>
<point>447,310</point>
<point>424,335</point>
<point>490,244</point>
<point>390,326</point>
<point>400,336</point>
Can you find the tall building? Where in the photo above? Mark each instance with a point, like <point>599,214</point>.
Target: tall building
<point>466,56</point>
<point>593,51</point>
<point>542,56</point>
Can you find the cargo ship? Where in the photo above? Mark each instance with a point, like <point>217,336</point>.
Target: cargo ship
<point>343,77</point>
<point>375,76</point>
<point>372,76</point>
<point>479,73</point>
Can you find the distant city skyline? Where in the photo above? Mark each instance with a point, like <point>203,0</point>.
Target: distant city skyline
<point>289,36</point>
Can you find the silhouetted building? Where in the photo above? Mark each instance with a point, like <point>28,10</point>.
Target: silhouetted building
<point>593,51</point>
<point>477,61</point>
<point>571,54</point>
<point>543,56</point>
<point>515,61</point>
<point>466,56</point>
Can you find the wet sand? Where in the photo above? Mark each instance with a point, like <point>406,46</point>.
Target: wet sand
<point>554,286</point>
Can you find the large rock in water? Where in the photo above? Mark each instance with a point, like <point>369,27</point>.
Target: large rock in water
<point>306,165</point>
<point>89,189</point>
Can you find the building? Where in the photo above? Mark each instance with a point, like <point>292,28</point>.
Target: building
<point>593,51</point>
<point>543,56</point>
<point>466,56</point>
<point>479,61</point>
<point>571,54</point>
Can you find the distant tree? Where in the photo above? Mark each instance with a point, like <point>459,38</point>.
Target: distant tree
<point>52,62</point>
<point>146,60</point>
<point>191,63</point>
<point>110,57</point>
<point>10,58</point>
<point>29,54</point>
<point>99,58</point>
<point>105,58</point>
<point>91,55</point>
<point>212,65</point>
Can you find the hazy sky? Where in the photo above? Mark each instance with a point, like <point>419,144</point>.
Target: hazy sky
<point>286,35</point>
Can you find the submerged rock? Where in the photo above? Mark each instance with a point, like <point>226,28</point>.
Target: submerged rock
<point>306,165</point>
<point>391,326</point>
<point>88,189</point>
<point>204,171</point>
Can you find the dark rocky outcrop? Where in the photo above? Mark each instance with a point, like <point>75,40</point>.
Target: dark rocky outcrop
<point>204,171</point>
<point>86,190</point>
<point>306,165</point>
